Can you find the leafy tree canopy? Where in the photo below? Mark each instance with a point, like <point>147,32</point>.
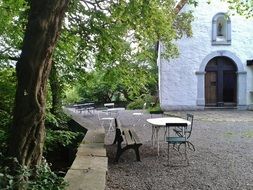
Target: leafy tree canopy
<point>242,7</point>
<point>118,39</point>
<point>12,24</point>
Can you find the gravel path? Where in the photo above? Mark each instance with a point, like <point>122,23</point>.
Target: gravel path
<point>223,158</point>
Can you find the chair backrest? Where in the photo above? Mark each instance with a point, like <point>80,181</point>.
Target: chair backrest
<point>189,117</point>
<point>176,125</point>
<point>109,105</point>
<point>157,113</point>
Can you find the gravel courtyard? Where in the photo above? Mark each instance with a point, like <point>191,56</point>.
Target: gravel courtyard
<point>223,158</point>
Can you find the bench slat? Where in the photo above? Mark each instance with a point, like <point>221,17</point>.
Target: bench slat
<point>135,137</point>
<point>128,138</point>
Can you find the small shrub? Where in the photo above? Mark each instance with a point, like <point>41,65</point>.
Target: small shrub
<point>136,104</point>
<point>139,102</point>
<point>51,121</point>
<point>71,96</point>
<point>5,119</point>
<point>155,109</point>
<point>56,122</point>
<point>43,178</point>
<point>46,179</point>
<point>3,140</point>
<point>56,138</point>
<point>149,99</point>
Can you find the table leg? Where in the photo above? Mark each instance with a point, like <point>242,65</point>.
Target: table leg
<point>157,140</point>
<point>152,135</point>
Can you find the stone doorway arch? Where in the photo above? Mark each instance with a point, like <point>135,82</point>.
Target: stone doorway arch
<point>241,78</point>
<point>221,82</point>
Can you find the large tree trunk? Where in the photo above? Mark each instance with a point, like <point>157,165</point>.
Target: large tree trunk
<point>33,68</point>
<point>56,90</point>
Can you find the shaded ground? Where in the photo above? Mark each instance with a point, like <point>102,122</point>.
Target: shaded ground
<point>223,158</point>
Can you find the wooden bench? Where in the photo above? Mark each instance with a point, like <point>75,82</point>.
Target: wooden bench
<point>129,138</point>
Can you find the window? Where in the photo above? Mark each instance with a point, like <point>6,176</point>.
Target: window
<point>221,29</point>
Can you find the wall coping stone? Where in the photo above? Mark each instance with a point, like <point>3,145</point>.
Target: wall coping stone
<point>89,169</point>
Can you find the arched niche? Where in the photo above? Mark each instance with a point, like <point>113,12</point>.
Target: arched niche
<point>221,29</point>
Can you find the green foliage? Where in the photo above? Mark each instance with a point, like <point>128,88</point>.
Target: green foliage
<point>46,179</point>
<point>139,102</point>
<point>3,140</point>
<point>13,19</point>
<point>117,40</point>
<point>57,133</point>
<point>43,178</point>
<point>5,119</point>
<point>124,82</point>
<point>58,121</point>
<point>136,104</point>
<point>57,138</point>
<point>71,95</point>
<point>248,134</point>
<point>7,88</point>
<point>156,109</point>
<point>51,121</point>
<point>241,7</point>
<point>7,93</point>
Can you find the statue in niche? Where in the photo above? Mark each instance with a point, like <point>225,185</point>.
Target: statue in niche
<point>219,29</point>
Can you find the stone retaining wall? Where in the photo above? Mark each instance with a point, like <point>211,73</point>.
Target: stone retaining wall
<point>88,171</point>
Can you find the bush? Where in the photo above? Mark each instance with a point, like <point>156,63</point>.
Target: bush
<point>5,119</point>
<point>3,141</point>
<point>139,102</point>
<point>136,104</point>
<point>71,96</point>
<point>51,121</point>
<point>43,178</point>
<point>57,138</point>
<point>58,122</point>
<point>7,88</point>
<point>155,110</point>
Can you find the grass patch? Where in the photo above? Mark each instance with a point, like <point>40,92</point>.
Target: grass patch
<point>248,134</point>
<point>245,134</point>
<point>229,134</point>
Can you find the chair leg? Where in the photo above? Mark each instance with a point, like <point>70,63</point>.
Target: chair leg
<point>186,158</point>
<point>110,126</point>
<point>102,125</point>
<point>191,145</point>
<point>165,133</point>
<point>168,154</point>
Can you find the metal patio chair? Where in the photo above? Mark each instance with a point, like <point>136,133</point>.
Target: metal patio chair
<point>173,139</point>
<point>187,131</point>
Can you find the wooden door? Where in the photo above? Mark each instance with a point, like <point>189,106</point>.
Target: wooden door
<point>211,88</point>
<point>229,87</point>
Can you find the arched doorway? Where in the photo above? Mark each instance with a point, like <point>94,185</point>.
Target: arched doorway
<point>221,82</point>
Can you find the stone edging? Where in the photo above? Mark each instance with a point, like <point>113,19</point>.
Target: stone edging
<point>88,171</point>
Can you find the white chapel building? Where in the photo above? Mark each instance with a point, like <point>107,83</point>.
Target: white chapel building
<point>215,65</point>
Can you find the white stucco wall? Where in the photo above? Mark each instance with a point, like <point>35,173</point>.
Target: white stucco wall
<point>178,78</point>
